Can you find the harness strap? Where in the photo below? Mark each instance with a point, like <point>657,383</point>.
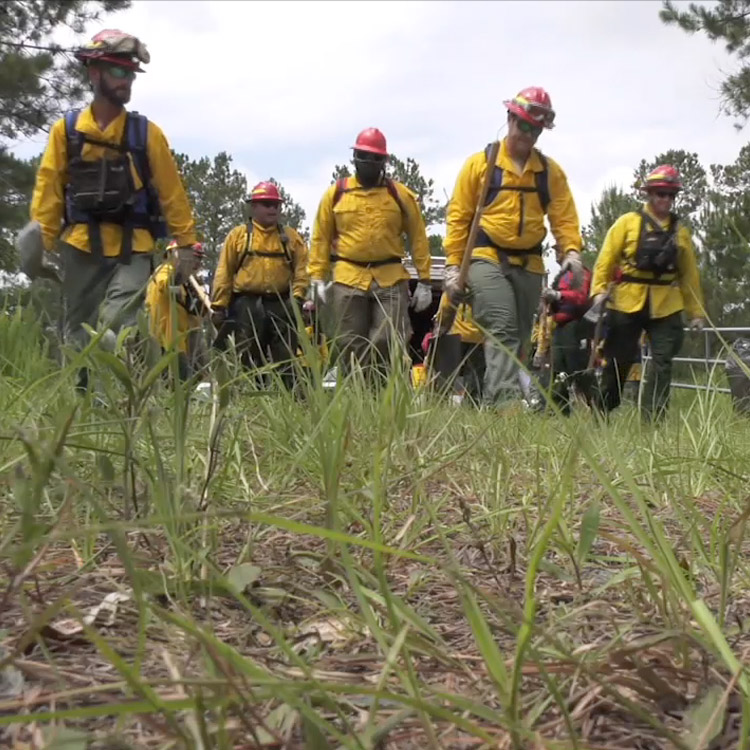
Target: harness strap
<point>503,253</point>
<point>261,254</point>
<point>651,282</point>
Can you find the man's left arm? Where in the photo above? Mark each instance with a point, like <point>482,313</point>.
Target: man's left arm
<point>300,279</point>
<point>690,283</point>
<point>417,232</point>
<point>168,183</point>
<point>562,213</point>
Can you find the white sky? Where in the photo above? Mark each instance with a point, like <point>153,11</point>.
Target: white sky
<point>284,87</point>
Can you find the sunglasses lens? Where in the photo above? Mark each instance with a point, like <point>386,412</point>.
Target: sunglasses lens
<point>117,71</point>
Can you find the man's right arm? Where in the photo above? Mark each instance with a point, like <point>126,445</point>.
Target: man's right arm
<point>48,200</point>
<point>461,209</point>
<point>221,294</point>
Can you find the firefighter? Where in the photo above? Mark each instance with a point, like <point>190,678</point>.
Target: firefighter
<point>649,255</point>
<point>105,179</point>
<point>505,277</point>
<point>260,277</point>
<point>359,230</point>
<point>569,350</point>
<point>470,374</point>
<point>175,309</point>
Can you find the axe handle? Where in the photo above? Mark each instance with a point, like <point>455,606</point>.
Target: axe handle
<point>446,317</point>
<point>201,292</point>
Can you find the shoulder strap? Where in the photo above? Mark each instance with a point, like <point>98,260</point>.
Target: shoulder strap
<point>73,137</point>
<point>340,189</point>
<point>285,244</point>
<point>542,182</point>
<point>390,186</point>
<point>496,179</point>
<point>246,249</point>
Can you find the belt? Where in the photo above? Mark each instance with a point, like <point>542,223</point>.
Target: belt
<point>503,253</point>
<point>651,282</point>
<point>367,264</point>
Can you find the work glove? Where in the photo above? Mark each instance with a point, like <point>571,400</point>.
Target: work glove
<point>319,291</point>
<point>188,261</point>
<point>218,316</point>
<point>455,293</point>
<point>422,297</point>
<point>573,263</point>
<point>597,308</point>
<point>697,324</point>
<point>551,295</point>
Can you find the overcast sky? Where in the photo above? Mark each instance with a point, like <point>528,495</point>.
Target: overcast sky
<point>284,87</point>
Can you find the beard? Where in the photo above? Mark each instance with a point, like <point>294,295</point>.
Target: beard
<point>114,95</point>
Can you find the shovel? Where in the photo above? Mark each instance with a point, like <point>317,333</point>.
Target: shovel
<point>445,354</point>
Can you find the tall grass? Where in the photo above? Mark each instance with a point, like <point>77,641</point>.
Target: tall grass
<point>364,569</point>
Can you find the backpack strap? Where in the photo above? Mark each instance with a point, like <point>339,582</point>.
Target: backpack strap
<point>341,188</point>
<point>541,180</point>
<point>73,138</point>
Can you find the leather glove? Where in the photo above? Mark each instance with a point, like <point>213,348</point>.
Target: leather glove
<point>697,324</point>
<point>573,263</point>
<point>422,297</point>
<point>450,284</point>
<point>218,316</point>
<point>319,291</point>
<point>551,295</point>
<point>188,261</point>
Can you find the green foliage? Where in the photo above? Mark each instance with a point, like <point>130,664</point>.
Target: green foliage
<point>292,213</point>
<point>724,227</point>
<point>727,21</point>
<point>16,186</point>
<point>436,244</point>
<point>217,194</point>
<point>37,85</point>
<point>613,203</point>
<point>693,179</point>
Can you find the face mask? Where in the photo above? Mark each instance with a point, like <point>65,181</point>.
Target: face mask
<point>368,173</point>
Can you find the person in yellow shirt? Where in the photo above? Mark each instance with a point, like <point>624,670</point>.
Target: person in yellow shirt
<point>107,188</point>
<point>260,276</point>
<point>359,229</point>
<point>175,309</point>
<point>649,256</point>
<point>505,277</point>
<point>470,375</point>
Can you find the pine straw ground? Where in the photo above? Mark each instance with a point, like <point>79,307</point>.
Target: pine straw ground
<point>344,643</point>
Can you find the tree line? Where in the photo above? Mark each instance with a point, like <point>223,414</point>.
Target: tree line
<point>39,80</point>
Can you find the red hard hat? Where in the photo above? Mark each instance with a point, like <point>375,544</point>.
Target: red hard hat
<point>664,176</point>
<point>264,191</point>
<point>117,47</point>
<point>533,105</point>
<point>372,140</point>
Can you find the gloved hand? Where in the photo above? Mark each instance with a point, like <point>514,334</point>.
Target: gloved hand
<point>455,293</point>
<point>188,261</point>
<point>426,341</point>
<point>551,295</point>
<point>697,324</point>
<point>308,306</point>
<point>573,263</point>
<point>319,291</point>
<point>218,316</point>
<point>422,297</point>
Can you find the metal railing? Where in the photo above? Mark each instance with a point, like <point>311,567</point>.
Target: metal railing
<point>708,360</point>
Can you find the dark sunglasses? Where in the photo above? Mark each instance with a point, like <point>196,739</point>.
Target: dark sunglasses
<point>369,156</point>
<point>266,204</point>
<point>527,127</point>
<point>120,73</point>
<point>665,194</point>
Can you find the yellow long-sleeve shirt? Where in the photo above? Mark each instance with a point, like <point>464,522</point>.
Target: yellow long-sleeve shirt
<point>618,254</point>
<point>368,225</point>
<point>266,273</point>
<point>169,321</point>
<point>48,200</point>
<point>514,219</point>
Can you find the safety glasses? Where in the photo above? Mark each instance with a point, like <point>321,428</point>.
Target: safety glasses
<point>545,117</point>
<point>369,156</point>
<point>664,194</point>
<point>120,72</point>
<point>527,127</point>
<point>266,204</point>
